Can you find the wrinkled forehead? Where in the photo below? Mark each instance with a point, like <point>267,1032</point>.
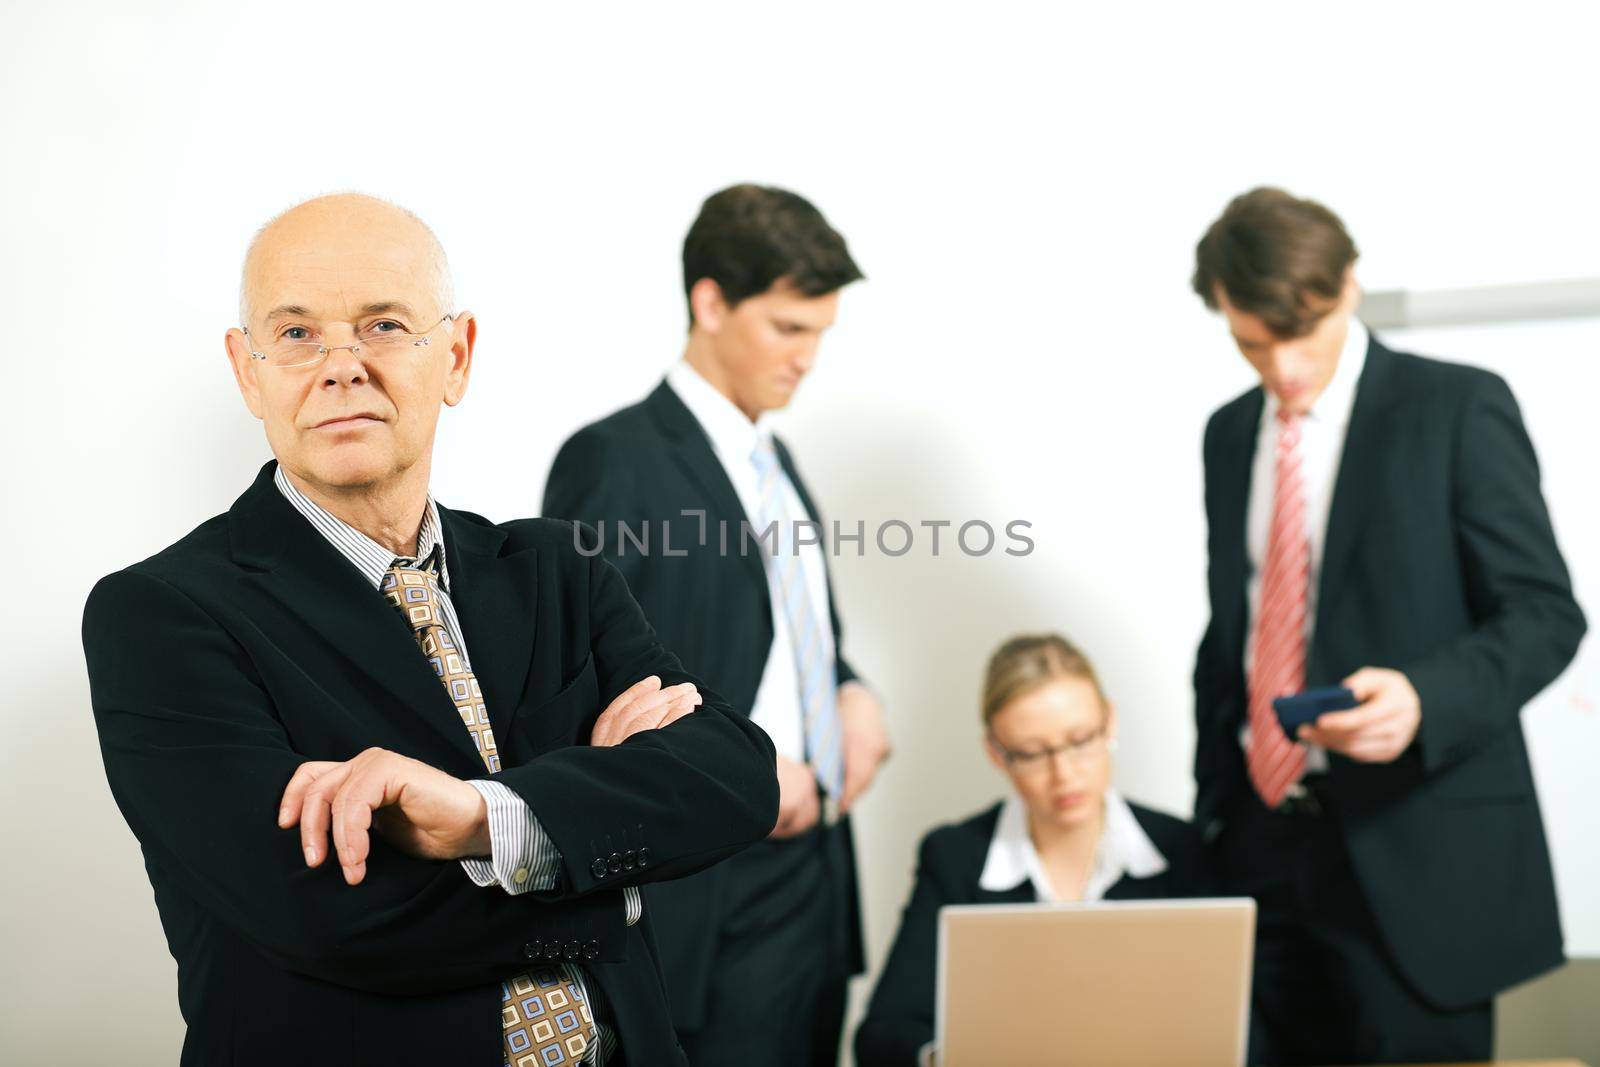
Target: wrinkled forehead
<point>334,277</point>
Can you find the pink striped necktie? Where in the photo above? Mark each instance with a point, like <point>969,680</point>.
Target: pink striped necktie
<point>1279,666</point>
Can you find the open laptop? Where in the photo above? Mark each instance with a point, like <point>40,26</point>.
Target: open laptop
<point>1100,985</point>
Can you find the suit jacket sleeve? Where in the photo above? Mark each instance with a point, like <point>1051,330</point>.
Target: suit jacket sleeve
<point>692,793</point>
<point>197,760</point>
<point>1516,585</point>
<point>899,1018</point>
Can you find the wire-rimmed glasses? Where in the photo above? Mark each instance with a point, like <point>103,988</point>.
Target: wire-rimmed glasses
<point>299,346</point>
<point>1079,753</point>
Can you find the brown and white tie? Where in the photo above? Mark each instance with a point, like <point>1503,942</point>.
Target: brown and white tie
<point>544,1016</point>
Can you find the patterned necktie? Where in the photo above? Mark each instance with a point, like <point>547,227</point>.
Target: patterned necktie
<point>545,1019</point>
<point>819,709</point>
<point>1279,666</point>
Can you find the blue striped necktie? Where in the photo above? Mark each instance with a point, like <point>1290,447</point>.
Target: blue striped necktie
<point>814,668</point>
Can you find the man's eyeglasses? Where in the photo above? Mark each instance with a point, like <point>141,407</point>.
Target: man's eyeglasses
<point>298,346</point>
<point>1079,753</point>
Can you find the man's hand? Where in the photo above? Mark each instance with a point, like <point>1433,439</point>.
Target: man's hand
<point>866,740</point>
<point>643,706</point>
<point>1380,728</point>
<point>799,807</point>
<point>419,809</point>
<point>422,810</point>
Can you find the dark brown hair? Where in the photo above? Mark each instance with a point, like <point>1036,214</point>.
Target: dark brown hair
<point>748,237</point>
<point>1276,256</point>
<point>1025,663</point>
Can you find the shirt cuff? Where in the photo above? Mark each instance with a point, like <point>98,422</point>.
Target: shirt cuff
<point>522,857</point>
<point>632,905</point>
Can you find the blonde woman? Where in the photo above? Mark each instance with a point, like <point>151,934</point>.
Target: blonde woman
<point>1062,834</point>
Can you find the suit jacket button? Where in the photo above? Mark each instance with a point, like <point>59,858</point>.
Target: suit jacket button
<point>591,950</point>
<point>599,868</point>
<point>571,950</point>
<point>644,857</point>
<point>615,862</point>
<point>533,949</point>
<point>552,951</point>
<point>628,859</point>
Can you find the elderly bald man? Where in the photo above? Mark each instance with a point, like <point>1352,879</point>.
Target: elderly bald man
<point>398,771</point>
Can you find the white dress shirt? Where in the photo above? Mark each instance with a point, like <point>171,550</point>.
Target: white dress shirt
<point>1322,435</point>
<point>1124,850</point>
<point>733,437</point>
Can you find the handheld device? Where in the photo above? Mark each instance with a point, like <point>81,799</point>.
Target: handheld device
<point>1302,708</point>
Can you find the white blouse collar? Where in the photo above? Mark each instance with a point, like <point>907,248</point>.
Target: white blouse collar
<point>1125,850</point>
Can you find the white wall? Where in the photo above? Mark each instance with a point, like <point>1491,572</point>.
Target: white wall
<point>1022,183</point>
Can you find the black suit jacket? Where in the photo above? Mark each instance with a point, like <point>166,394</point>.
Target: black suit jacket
<point>221,664</point>
<point>899,1019</point>
<point>1439,561</point>
<point>645,465</point>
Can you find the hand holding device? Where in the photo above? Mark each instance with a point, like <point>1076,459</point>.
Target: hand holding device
<point>1305,707</point>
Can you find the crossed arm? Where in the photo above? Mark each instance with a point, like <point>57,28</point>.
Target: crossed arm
<point>422,810</point>
<point>593,481</point>
<point>198,759</point>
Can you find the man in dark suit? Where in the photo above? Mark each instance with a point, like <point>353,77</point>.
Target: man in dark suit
<point>757,952</point>
<point>420,692</point>
<point>1375,522</point>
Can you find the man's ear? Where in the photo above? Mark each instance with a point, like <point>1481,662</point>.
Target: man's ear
<point>244,369</point>
<point>708,305</point>
<point>465,338</point>
<point>1350,292</point>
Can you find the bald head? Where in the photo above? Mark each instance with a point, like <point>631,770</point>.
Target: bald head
<point>333,290</point>
<point>315,242</point>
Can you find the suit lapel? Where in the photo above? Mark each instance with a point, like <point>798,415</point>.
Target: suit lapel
<point>322,593</point>
<point>494,598</point>
<point>691,449</point>
<point>1236,450</point>
<point>1358,475</point>
<point>787,463</point>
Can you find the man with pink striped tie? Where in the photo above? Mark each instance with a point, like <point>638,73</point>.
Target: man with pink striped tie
<point>1375,522</point>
